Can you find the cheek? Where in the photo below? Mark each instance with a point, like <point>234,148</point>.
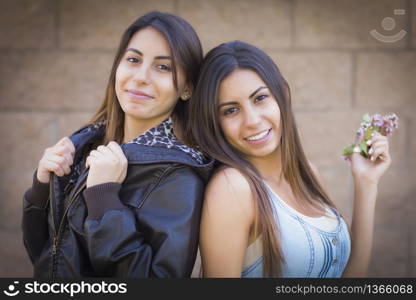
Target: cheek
<point>230,128</point>
<point>165,87</point>
<point>274,114</point>
<point>278,125</point>
<point>181,81</point>
<point>119,79</point>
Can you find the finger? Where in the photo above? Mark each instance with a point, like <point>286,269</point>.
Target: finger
<point>381,143</point>
<point>106,152</point>
<point>378,144</point>
<point>61,150</point>
<point>54,167</point>
<point>379,138</point>
<point>61,161</point>
<point>108,155</point>
<point>117,150</point>
<point>67,144</point>
<point>375,140</point>
<point>377,152</point>
<point>91,160</point>
<point>69,158</point>
<point>64,152</point>
<point>70,144</point>
<point>62,141</point>
<point>96,154</point>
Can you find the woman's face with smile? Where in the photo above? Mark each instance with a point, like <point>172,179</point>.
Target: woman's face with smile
<point>144,79</point>
<point>249,114</point>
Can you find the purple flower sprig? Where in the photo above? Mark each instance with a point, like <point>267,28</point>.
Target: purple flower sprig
<point>385,125</point>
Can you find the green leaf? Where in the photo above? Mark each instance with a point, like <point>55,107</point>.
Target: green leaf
<point>367,134</point>
<point>348,150</point>
<point>367,118</point>
<point>363,147</point>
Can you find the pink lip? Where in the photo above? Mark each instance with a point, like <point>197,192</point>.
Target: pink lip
<point>260,141</point>
<point>138,95</point>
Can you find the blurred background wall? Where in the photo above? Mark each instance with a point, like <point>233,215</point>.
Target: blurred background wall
<point>55,58</point>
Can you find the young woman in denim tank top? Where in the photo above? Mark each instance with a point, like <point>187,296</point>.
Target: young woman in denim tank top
<point>265,197</point>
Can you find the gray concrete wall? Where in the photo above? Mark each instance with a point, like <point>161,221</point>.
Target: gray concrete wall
<point>55,58</point>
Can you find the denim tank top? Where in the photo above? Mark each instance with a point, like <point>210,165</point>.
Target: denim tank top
<point>308,251</point>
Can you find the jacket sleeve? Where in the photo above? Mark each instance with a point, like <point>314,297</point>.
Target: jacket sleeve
<point>34,219</point>
<point>159,239</point>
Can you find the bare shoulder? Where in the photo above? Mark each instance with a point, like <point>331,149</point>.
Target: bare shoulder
<point>227,217</point>
<point>229,181</point>
<point>229,190</point>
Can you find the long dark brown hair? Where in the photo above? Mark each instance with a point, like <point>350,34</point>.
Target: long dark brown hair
<point>206,133</point>
<point>187,54</point>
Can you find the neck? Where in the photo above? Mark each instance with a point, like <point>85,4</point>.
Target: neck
<point>134,127</point>
<point>269,167</point>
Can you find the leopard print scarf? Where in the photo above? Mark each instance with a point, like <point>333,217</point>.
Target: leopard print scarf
<point>163,136</point>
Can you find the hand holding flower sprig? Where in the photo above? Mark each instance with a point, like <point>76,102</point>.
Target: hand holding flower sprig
<point>369,154</point>
<point>370,158</point>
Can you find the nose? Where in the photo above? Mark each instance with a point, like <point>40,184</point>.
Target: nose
<point>142,74</point>
<point>252,117</point>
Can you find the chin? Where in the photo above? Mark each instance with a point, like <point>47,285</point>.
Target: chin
<point>264,152</point>
<point>260,154</point>
<point>136,114</point>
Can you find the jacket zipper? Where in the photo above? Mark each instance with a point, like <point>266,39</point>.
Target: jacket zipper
<point>56,238</point>
<point>51,204</point>
<point>52,208</point>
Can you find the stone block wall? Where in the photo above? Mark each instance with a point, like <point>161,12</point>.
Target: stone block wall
<point>56,55</point>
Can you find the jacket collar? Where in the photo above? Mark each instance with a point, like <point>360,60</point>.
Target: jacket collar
<point>155,145</point>
<point>162,136</point>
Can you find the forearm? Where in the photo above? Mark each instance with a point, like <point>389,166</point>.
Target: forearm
<point>35,230</point>
<point>34,218</point>
<point>362,226</point>
<point>38,193</point>
<point>109,228</point>
<point>158,243</point>
<point>116,248</point>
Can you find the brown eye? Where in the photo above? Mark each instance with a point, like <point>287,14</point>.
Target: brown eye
<point>132,59</point>
<point>164,67</point>
<point>260,98</point>
<point>230,111</point>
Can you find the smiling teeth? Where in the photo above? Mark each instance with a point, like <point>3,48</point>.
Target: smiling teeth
<point>258,136</point>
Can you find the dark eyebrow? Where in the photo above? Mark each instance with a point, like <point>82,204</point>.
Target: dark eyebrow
<point>255,92</point>
<point>163,57</point>
<point>251,95</point>
<point>134,50</point>
<point>157,57</point>
<point>227,103</point>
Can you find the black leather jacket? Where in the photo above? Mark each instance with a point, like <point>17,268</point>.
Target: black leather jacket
<point>146,227</point>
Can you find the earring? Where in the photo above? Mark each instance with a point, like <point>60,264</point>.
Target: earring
<point>185,96</point>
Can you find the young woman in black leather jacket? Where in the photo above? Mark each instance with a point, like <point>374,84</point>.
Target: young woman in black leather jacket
<point>122,196</point>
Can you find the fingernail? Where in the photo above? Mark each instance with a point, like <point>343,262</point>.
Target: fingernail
<point>371,151</point>
<point>368,142</point>
<point>372,134</point>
